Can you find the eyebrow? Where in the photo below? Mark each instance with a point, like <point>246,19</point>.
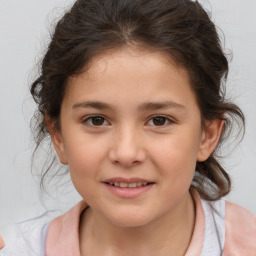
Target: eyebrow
<point>147,106</point>
<point>92,104</point>
<point>161,105</point>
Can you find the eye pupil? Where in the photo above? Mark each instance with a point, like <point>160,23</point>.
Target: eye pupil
<point>97,120</point>
<point>158,121</point>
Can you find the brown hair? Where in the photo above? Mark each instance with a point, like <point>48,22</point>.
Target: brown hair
<point>180,28</point>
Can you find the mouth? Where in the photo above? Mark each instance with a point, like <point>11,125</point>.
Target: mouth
<point>128,184</point>
<point>128,188</point>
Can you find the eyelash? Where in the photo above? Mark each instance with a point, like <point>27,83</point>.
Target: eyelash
<point>167,120</point>
<point>89,120</point>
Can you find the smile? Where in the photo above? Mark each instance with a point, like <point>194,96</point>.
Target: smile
<point>128,185</point>
<point>128,188</point>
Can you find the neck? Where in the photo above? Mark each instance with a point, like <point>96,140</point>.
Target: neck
<point>168,235</point>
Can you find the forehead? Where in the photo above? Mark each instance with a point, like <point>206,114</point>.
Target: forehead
<point>132,56</point>
<point>135,73</point>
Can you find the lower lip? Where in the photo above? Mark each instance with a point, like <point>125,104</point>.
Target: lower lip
<point>128,192</point>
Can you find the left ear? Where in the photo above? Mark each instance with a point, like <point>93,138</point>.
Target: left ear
<point>210,138</point>
<point>56,139</point>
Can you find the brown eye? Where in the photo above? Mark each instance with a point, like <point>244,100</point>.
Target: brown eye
<point>95,121</point>
<point>159,120</point>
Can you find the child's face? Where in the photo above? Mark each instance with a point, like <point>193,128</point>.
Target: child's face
<point>131,118</point>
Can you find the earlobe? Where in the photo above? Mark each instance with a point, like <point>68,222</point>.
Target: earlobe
<point>57,139</point>
<point>210,139</point>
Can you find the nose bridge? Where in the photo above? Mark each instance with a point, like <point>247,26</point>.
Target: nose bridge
<point>127,148</point>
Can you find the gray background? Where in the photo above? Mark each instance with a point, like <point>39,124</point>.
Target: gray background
<point>24,34</point>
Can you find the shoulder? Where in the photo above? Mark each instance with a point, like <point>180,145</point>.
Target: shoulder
<point>25,238</point>
<point>240,234</point>
<point>44,235</point>
<point>214,227</point>
<point>62,238</point>
<point>229,227</point>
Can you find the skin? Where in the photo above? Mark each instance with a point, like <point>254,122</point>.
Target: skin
<point>133,87</point>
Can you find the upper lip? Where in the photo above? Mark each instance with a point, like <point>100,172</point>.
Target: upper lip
<point>127,180</point>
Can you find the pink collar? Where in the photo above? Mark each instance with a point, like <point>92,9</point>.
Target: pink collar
<point>197,239</point>
<point>63,235</point>
<point>2,244</point>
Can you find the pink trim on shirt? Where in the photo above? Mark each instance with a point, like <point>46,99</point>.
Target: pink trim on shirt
<point>197,239</point>
<point>240,235</point>
<point>2,244</point>
<point>63,233</point>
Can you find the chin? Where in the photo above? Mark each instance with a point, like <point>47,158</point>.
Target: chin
<point>130,219</point>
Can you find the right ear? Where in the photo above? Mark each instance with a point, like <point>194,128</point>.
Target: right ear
<point>57,139</point>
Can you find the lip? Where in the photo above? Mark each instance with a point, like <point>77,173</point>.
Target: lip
<point>127,180</point>
<point>128,192</point>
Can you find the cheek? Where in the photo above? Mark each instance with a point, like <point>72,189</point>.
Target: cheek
<point>176,158</point>
<point>85,164</point>
<point>85,158</point>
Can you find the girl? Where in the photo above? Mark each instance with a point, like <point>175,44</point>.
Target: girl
<point>130,93</point>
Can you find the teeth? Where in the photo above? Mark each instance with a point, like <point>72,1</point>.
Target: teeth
<point>127,185</point>
<point>123,185</point>
<point>132,185</point>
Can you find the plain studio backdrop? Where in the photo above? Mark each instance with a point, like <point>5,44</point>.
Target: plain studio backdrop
<point>24,34</point>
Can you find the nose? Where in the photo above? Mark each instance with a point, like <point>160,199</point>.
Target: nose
<point>127,148</point>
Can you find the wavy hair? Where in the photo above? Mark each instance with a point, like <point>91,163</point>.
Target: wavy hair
<point>181,29</point>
